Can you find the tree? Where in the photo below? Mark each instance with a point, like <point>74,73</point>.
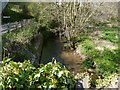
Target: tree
<point>70,18</point>
<point>43,12</point>
<point>73,18</point>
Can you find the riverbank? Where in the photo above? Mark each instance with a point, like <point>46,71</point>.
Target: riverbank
<point>101,57</point>
<point>22,44</point>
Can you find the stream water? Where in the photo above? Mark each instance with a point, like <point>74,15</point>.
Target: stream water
<point>53,48</point>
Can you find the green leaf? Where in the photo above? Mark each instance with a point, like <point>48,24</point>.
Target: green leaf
<point>60,74</point>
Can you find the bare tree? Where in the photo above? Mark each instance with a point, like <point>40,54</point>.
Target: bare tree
<point>74,16</point>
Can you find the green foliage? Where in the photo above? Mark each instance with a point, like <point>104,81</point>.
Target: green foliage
<point>16,75</point>
<point>44,13</point>
<point>14,15</point>
<point>25,75</point>
<point>81,37</point>
<point>106,61</point>
<point>109,33</point>
<point>88,63</point>
<point>106,64</point>
<point>15,42</point>
<point>110,36</point>
<point>66,46</point>
<point>22,35</point>
<point>87,46</point>
<point>54,75</point>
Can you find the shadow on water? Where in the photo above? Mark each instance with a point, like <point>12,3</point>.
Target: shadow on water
<point>53,48</point>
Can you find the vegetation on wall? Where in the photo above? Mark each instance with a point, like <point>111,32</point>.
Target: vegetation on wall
<point>16,42</point>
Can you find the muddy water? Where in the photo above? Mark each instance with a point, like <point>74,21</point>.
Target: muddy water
<point>53,48</point>
<point>72,60</point>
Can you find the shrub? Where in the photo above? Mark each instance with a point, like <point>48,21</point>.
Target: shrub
<point>16,75</point>
<point>54,75</point>
<point>25,75</point>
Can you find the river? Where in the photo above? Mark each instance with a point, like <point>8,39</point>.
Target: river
<point>53,48</point>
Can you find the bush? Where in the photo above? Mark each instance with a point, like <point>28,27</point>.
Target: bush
<point>25,75</point>
<point>54,75</point>
<point>16,75</point>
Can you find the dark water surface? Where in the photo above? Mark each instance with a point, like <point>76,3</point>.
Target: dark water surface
<point>53,48</point>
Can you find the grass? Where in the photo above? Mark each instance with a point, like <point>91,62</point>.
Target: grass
<point>107,61</point>
<point>109,34</point>
<point>22,35</point>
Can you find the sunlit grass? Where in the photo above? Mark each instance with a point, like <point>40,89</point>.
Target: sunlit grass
<point>107,61</point>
